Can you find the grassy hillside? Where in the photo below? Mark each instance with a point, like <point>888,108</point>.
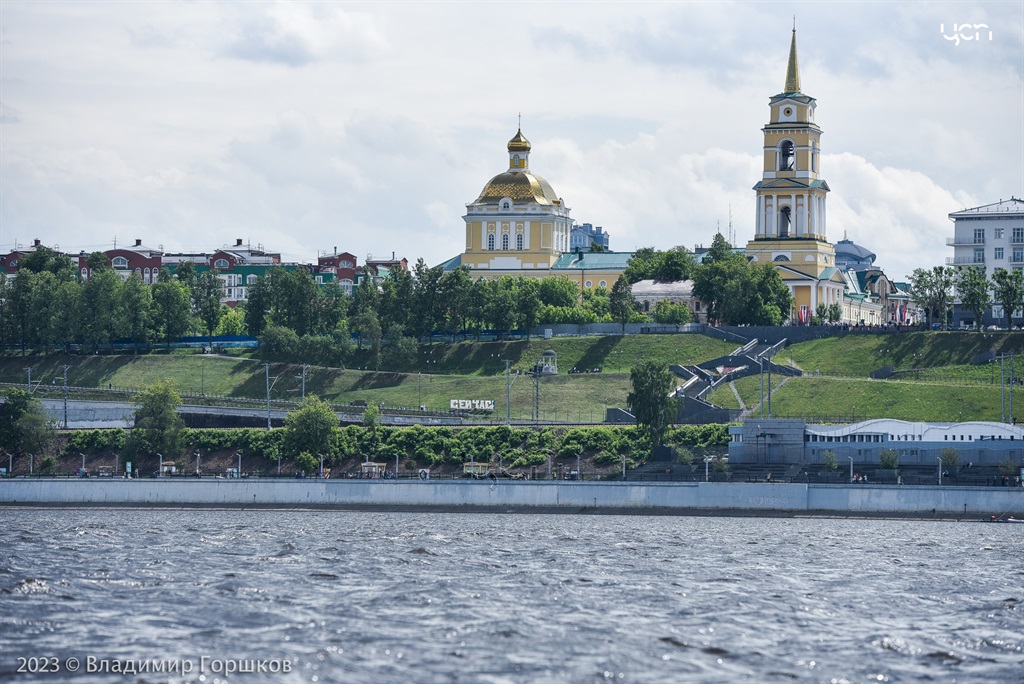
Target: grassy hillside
<point>943,386</point>
<point>858,355</point>
<point>454,371</point>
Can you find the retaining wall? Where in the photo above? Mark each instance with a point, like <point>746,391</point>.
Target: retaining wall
<point>841,499</point>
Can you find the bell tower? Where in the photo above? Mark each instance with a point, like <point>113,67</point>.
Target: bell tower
<point>790,219</point>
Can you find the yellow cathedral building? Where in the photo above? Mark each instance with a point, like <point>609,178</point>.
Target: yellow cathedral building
<point>790,221</point>
<point>519,226</point>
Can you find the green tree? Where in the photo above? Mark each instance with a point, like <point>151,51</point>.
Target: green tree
<point>427,312</point>
<point>835,312</point>
<point>949,457</point>
<point>712,279</point>
<point>669,312</point>
<point>559,291</point>
<point>455,287</point>
<point>932,290</point>
<point>24,424</point>
<point>972,288</point>
<point>232,323</point>
<point>889,459</point>
<point>307,463</point>
<point>171,308</point>
<point>527,294</point>
<point>399,352</point>
<point>206,293</point>
<point>396,293</point>
<point>311,428</point>
<point>649,399</point>
<point>1008,291</point>
<point>829,460</point>
<point>158,427</point>
<point>99,299</point>
<point>368,327</point>
<point>257,306</point>
<point>133,318</point>
<point>621,302</point>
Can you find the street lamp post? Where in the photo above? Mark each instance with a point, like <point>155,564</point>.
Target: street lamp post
<point>851,467</point>
<point>198,456</point>
<point>940,469</point>
<point>266,369</point>
<point>160,471</point>
<point>65,397</point>
<point>707,462</point>
<point>238,473</point>
<point>322,466</point>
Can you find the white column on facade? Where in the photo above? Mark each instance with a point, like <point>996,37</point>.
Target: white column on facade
<point>769,215</point>
<point>759,229</point>
<point>806,212</point>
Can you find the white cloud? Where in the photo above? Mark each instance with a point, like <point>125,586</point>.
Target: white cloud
<point>305,126</point>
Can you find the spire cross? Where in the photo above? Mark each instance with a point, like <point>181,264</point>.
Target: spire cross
<point>519,124</point>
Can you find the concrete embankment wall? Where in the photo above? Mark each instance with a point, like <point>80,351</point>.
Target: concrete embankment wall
<point>792,498</point>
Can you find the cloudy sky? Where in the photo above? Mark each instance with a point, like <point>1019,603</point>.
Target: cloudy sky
<point>368,127</point>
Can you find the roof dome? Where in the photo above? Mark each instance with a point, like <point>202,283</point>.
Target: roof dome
<point>519,143</point>
<point>522,187</point>
<point>851,250</point>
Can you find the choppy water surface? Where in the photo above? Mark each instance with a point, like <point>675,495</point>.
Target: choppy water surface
<point>413,597</point>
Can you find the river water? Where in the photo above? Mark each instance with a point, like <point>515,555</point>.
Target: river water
<point>432,597</point>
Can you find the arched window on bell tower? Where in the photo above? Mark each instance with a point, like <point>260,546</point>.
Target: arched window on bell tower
<point>490,241</point>
<point>504,241</point>
<point>787,156</point>
<point>784,222</point>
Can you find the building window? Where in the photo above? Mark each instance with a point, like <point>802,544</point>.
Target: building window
<point>119,262</point>
<point>346,286</point>
<point>784,222</point>
<point>997,253</point>
<point>786,156</point>
<point>979,255</point>
<point>220,263</point>
<point>504,241</point>
<point>603,283</point>
<point>997,233</point>
<point>319,280</point>
<point>519,241</point>
<point>1018,235</point>
<point>250,279</point>
<point>588,284</point>
<point>504,205</point>
<point>1018,255</point>
<point>490,242</point>
<point>979,236</point>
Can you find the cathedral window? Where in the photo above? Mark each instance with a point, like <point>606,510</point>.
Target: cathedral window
<point>504,206</point>
<point>781,257</point>
<point>519,241</point>
<point>504,241</point>
<point>787,156</point>
<point>220,263</point>
<point>784,222</point>
<point>490,242</point>
<point>119,262</point>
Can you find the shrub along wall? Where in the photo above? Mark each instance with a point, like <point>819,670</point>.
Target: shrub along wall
<point>519,447</point>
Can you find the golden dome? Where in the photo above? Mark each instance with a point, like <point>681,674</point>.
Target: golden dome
<point>519,143</point>
<point>520,186</point>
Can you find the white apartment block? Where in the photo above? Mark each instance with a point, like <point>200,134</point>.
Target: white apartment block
<point>991,236</point>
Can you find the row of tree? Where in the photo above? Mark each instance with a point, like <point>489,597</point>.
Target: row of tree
<point>49,304</point>
<point>934,290</point>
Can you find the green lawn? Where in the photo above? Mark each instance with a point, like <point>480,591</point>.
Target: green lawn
<point>946,386</point>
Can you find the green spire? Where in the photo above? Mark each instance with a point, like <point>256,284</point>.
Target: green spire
<point>793,69</point>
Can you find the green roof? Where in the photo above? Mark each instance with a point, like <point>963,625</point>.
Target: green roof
<point>580,261</point>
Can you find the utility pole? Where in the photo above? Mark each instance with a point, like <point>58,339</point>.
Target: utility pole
<point>66,397</point>
<point>760,362</point>
<point>29,369</point>
<point>1011,388</point>
<point>266,369</point>
<point>1002,388</point>
<point>304,367</point>
<point>508,387</point>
